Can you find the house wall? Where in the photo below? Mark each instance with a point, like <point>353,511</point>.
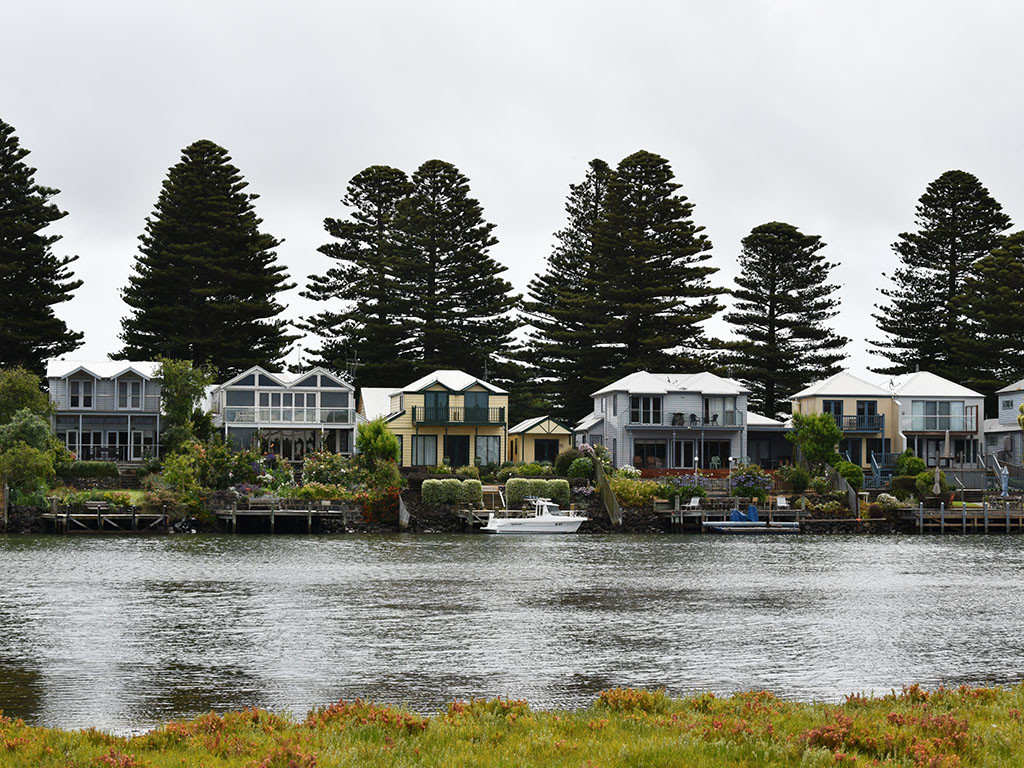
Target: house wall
<point>104,394</point>
<point>404,427</point>
<point>886,406</point>
<point>522,448</point>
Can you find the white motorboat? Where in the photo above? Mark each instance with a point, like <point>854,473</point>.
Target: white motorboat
<point>545,517</point>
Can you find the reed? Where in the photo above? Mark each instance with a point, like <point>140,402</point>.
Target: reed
<point>942,728</point>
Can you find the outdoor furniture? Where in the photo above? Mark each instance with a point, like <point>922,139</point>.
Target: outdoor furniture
<point>694,503</point>
<point>781,502</point>
<point>693,419</point>
<point>716,462</point>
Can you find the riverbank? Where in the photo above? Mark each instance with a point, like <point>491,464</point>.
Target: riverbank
<point>940,729</point>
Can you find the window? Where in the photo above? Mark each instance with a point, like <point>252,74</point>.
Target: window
<point>333,407</point>
<point>488,449</point>
<point>81,393</point>
<point>435,406</point>
<point>309,381</point>
<point>476,407</point>
<point>596,438</point>
<point>129,395</point>
<point>1007,403</point>
<point>833,407</point>
<point>401,450</point>
<point>424,450</point>
<point>644,409</point>
<point>615,405</point>
<point>938,415</point>
<point>649,454</point>
<point>720,410</point>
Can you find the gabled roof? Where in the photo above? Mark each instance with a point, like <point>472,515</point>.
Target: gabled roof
<point>375,402</point>
<point>456,381</point>
<point>927,384</point>
<point>645,383</point>
<point>588,422</point>
<point>528,424</point>
<point>102,369</point>
<point>1015,387</point>
<point>284,379</point>
<point>758,421</point>
<point>842,384</point>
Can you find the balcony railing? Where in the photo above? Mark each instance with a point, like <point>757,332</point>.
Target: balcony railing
<point>966,422</point>
<point>868,423</point>
<point>473,416</point>
<point>250,415</point>
<point>728,419</point>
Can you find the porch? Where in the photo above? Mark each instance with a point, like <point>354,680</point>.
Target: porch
<point>652,449</point>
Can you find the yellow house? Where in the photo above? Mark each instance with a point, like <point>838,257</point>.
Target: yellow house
<point>446,417</point>
<point>867,414</point>
<point>539,439</point>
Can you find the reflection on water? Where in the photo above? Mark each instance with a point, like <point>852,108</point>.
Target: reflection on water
<point>125,633</point>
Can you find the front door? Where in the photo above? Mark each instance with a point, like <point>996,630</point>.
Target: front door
<point>545,450</point>
<point>456,450</point>
<point>683,452</point>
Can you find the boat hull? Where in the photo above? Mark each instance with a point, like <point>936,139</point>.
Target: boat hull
<point>553,525</point>
<point>751,528</point>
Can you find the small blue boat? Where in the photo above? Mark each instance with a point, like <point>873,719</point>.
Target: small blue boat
<point>748,523</point>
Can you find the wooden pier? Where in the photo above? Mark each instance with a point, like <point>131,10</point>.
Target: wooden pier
<point>100,517</point>
<point>267,514</point>
<point>968,518</point>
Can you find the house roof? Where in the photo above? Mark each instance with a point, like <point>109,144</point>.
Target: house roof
<point>643,382</point>
<point>993,425</point>
<point>284,379</point>
<point>842,384</point>
<point>757,421</point>
<point>528,424</point>
<point>102,369</point>
<point>456,381</point>
<point>1015,387</point>
<point>927,384</point>
<point>588,422</point>
<point>375,402</point>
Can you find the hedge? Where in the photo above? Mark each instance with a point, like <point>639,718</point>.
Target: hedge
<point>471,491</point>
<point>451,491</point>
<point>77,469</point>
<point>518,488</point>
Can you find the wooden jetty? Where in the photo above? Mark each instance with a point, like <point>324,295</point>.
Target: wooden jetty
<point>988,517</point>
<point>100,517</point>
<point>267,513</point>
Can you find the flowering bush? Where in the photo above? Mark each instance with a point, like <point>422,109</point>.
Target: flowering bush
<point>634,493</point>
<point>581,467</point>
<point>685,487</point>
<point>586,491</point>
<point>318,492</point>
<point>888,502</point>
<point>326,468</point>
<point>628,470</point>
<point>751,480</point>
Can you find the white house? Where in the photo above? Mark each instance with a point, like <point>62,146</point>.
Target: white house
<point>1003,436</point>
<point>669,421</point>
<point>108,410</point>
<point>931,409</point>
<point>289,415</point>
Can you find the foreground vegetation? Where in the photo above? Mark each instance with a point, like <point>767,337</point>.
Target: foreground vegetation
<point>624,727</point>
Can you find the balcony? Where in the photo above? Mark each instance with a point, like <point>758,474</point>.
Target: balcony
<point>723,419</point>
<point>448,416</point>
<point>870,423</point>
<point>241,416</point>
<point>964,422</point>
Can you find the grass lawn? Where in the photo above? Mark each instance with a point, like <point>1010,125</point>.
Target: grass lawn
<point>932,729</point>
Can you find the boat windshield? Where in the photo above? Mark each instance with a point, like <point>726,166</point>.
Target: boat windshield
<point>549,509</point>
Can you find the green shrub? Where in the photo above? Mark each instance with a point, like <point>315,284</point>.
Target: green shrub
<point>557,491</point>
<point>516,489</point>
<point>799,479</point>
<point>887,502</point>
<point>853,474</point>
<point>318,492</point>
<point>440,491</point>
<point>83,469</point>
<point>634,493</point>
<point>820,485</point>
<point>751,481</point>
<point>537,488</point>
<point>471,491</point>
<point>468,472</point>
<point>525,470</point>
<point>325,467</point>
<point>925,483</point>
<point>564,460</point>
<point>903,487</point>
<point>909,464</point>
<point>581,467</point>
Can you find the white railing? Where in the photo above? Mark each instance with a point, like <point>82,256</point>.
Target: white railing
<point>250,415</point>
<point>966,422</point>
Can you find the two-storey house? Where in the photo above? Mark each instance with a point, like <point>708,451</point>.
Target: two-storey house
<point>933,409</point>
<point>288,415</point>
<point>445,417</point>
<point>1004,438</point>
<point>106,411</point>
<point>867,413</point>
<point>669,421</point>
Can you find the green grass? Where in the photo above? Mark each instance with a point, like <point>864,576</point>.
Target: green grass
<point>945,728</point>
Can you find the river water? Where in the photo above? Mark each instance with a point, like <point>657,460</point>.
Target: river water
<point>127,632</point>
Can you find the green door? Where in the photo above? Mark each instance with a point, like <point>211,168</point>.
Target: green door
<point>456,448</point>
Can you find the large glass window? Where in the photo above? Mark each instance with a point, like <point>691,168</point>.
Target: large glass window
<point>424,450</point>
<point>476,407</point>
<point>488,449</point>
<point>644,409</point>
<point>720,410</point>
<point>129,395</point>
<point>436,406</point>
<point>650,454</point>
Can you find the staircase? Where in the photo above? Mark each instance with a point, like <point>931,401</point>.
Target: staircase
<point>128,476</point>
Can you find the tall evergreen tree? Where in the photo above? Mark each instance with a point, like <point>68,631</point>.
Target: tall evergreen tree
<point>32,279</point>
<point>782,307</point>
<point>561,308</point>
<point>206,278</point>
<point>650,274</point>
<point>368,334</point>
<point>958,223</point>
<point>451,290</point>
<point>992,306</point>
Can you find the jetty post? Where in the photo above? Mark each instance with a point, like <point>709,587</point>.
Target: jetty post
<point>942,517</point>
<point>920,517</point>
<point>984,511</point>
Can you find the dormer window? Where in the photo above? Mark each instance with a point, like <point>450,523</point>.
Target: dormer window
<point>81,393</point>
<point>129,395</point>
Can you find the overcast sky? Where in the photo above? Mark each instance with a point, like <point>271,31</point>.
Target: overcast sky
<point>832,116</point>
